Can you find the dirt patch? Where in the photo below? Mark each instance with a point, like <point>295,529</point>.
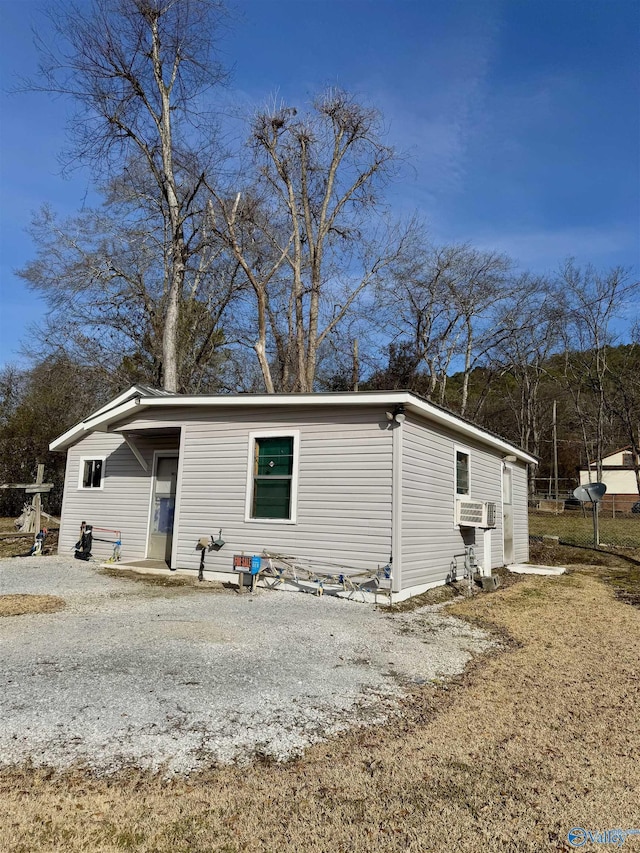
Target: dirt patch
<point>19,605</point>
<point>550,554</point>
<point>625,580</point>
<point>13,544</point>
<point>530,742</point>
<point>437,595</point>
<point>451,592</point>
<point>621,571</point>
<point>177,581</point>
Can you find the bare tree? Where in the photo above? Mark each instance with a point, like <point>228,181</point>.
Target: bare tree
<point>447,303</point>
<point>535,317</point>
<point>102,276</point>
<point>593,302</point>
<point>303,232</point>
<point>622,396</point>
<point>138,71</point>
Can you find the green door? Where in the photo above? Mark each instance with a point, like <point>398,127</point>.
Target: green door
<point>163,505</point>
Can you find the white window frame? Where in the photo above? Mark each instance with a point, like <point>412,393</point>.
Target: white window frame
<point>507,468</point>
<point>83,460</point>
<point>293,505</point>
<point>458,448</point>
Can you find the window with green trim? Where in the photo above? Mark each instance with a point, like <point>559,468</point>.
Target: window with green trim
<point>272,477</point>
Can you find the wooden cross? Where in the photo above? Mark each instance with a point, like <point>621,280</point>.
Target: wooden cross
<point>36,489</point>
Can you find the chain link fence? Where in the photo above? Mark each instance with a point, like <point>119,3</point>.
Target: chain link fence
<point>572,523</point>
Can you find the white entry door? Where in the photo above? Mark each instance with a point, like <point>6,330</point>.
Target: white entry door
<point>507,514</point>
<point>163,505</point>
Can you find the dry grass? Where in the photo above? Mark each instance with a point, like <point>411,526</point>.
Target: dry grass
<point>532,741</point>
<point>166,580</point>
<point>19,605</point>
<point>19,546</point>
<point>7,524</point>
<point>572,526</point>
<point>621,572</point>
<point>549,554</point>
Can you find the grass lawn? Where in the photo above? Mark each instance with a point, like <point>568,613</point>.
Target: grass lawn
<point>572,527</point>
<point>537,738</point>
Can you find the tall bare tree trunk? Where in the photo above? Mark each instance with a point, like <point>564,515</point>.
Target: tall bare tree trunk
<point>135,68</point>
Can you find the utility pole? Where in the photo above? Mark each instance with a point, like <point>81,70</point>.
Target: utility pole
<point>355,374</point>
<point>555,448</point>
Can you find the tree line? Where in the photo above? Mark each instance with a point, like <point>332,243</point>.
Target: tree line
<point>275,265</point>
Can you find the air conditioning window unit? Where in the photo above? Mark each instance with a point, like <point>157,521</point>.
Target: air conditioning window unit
<point>475,513</point>
<point>469,513</point>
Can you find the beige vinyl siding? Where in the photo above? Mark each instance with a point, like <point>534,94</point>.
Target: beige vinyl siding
<point>486,480</point>
<point>520,515</point>
<point>123,502</point>
<point>429,536</point>
<point>344,484</point>
<point>344,506</point>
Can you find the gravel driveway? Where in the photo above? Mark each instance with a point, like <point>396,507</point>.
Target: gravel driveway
<point>180,678</point>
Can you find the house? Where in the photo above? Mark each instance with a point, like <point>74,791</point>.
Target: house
<point>619,476</point>
<point>355,479</point>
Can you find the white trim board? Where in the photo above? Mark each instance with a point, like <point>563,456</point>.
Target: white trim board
<point>103,420</point>
<point>281,432</point>
<point>96,457</point>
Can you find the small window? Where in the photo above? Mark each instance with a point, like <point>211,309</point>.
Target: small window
<point>627,460</point>
<point>507,486</point>
<point>273,469</point>
<point>462,473</point>
<point>91,473</point>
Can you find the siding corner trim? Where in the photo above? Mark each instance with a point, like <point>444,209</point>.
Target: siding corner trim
<point>396,508</point>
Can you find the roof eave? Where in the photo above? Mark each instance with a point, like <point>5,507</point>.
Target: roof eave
<point>104,418</point>
<point>439,415</point>
<point>98,422</point>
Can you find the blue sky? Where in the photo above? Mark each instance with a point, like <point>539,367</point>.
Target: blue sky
<point>520,119</point>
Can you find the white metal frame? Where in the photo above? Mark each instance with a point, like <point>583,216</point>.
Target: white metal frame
<point>94,458</point>
<point>293,506</point>
<point>460,448</point>
<point>176,518</point>
<point>157,454</point>
<point>506,467</point>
